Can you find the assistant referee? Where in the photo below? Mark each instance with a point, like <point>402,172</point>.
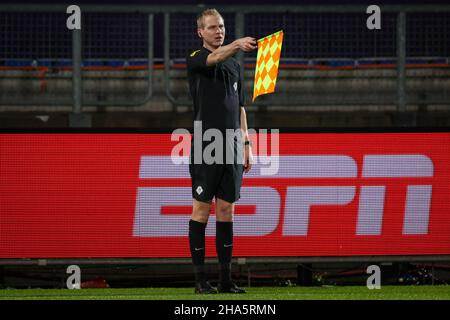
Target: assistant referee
<point>216,87</point>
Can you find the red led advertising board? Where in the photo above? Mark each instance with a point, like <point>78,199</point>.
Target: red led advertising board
<point>83,195</point>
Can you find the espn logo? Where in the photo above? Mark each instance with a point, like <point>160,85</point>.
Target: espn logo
<point>266,200</point>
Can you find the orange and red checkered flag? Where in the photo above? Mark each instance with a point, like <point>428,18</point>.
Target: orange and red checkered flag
<point>267,62</point>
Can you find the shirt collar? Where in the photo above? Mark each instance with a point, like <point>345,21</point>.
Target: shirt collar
<point>209,51</point>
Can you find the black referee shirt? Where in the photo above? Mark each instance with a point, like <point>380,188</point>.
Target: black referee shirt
<point>216,91</point>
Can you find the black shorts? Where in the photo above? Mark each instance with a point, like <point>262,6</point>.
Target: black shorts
<point>222,181</point>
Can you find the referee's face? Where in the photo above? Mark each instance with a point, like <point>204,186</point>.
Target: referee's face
<point>213,32</point>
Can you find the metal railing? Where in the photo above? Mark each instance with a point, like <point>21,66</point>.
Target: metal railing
<point>322,23</point>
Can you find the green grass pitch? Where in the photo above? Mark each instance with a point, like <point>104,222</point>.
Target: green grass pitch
<point>255,293</point>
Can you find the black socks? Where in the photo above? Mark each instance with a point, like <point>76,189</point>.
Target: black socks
<point>224,247</point>
<point>224,241</point>
<point>197,245</point>
<point>197,241</point>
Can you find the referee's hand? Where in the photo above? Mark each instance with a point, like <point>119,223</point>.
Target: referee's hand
<point>247,44</point>
<point>248,158</point>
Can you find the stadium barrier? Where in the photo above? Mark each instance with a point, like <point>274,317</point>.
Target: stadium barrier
<point>318,34</point>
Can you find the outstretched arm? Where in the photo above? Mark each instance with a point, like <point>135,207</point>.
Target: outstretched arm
<point>246,44</point>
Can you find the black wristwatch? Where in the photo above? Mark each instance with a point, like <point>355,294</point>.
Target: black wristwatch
<point>247,143</point>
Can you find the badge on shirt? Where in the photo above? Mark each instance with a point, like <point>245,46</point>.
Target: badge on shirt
<point>194,53</point>
<point>235,86</point>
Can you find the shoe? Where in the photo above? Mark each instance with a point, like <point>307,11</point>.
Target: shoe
<point>230,287</point>
<point>204,288</point>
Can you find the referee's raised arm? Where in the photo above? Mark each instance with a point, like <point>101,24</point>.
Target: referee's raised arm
<point>246,44</point>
